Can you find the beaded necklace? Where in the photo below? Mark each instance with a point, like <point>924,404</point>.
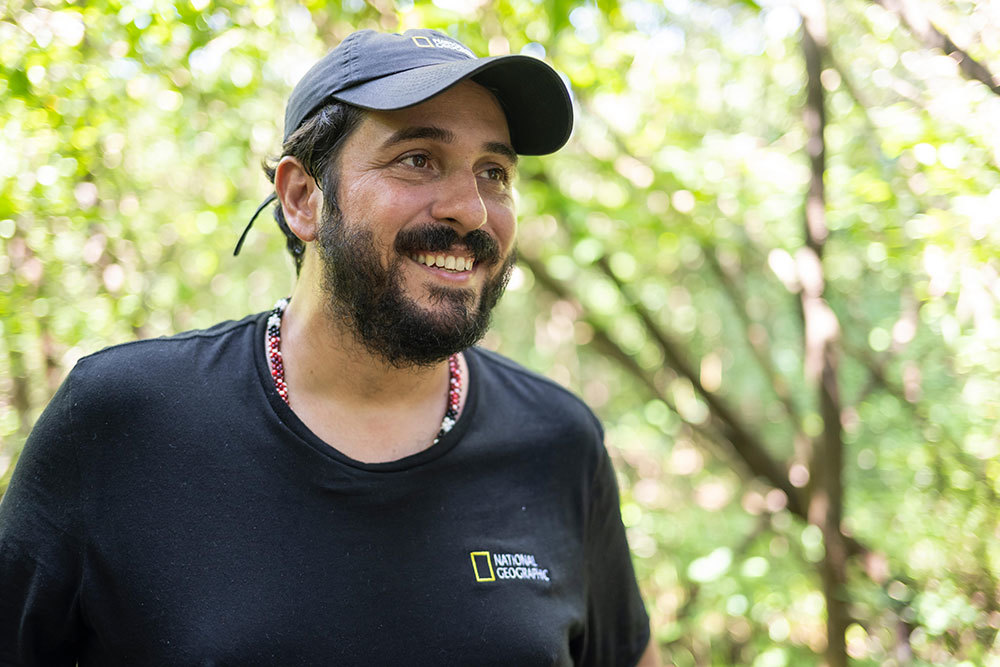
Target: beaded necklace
<point>278,370</point>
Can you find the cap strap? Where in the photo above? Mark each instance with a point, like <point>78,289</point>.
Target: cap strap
<point>243,237</point>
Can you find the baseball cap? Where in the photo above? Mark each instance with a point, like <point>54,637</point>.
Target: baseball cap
<point>387,71</point>
<point>384,71</point>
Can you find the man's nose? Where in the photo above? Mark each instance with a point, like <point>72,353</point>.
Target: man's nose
<point>459,203</point>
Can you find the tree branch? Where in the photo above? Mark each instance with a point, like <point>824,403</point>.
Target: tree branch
<point>747,445</point>
<point>760,354</point>
<point>932,38</point>
<point>879,378</point>
<point>608,346</point>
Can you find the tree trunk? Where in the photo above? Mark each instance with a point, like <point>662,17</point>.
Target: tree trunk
<point>822,334</point>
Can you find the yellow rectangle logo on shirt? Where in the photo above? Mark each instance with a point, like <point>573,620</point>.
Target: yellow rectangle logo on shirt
<point>481,565</point>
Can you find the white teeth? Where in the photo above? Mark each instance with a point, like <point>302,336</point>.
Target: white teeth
<point>449,262</point>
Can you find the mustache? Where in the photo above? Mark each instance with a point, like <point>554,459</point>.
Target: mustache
<point>437,238</point>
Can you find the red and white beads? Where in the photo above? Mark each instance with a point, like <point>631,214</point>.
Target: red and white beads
<point>454,397</point>
<point>274,348</point>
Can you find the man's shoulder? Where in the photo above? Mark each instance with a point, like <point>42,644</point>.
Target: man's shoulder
<point>497,364</point>
<point>125,392</point>
<point>507,381</point>
<point>172,348</point>
<point>188,357</point>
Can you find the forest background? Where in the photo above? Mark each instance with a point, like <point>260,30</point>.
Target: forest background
<point>768,258</point>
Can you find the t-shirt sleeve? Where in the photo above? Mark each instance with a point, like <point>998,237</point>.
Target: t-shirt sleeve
<point>40,549</point>
<point>617,625</point>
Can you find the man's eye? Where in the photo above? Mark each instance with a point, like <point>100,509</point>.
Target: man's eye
<point>496,174</point>
<point>418,161</point>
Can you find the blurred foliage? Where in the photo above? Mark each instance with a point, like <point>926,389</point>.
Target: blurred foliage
<point>133,131</point>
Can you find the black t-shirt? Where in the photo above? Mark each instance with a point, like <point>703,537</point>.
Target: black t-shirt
<point>170,509</point>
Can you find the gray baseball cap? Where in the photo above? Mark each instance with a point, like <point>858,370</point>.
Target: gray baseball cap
<point>383,71</point>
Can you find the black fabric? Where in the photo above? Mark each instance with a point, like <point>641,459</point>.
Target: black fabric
<point>170,509</point>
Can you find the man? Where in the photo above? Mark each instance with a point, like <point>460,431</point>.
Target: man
<point>345,480</point>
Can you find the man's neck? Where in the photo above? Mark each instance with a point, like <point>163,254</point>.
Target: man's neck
<point>323,357</point>
<point>351,397</point>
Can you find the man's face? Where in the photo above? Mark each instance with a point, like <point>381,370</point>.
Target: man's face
<point>419,247</point>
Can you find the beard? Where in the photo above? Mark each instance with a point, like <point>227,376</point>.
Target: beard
<point>369,299</point>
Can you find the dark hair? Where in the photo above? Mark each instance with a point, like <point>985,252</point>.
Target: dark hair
<point>316,144</point>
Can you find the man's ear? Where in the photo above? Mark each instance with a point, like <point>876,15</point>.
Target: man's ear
<point>300,197</point>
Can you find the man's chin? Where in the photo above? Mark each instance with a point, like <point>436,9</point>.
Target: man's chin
<point>419,332</point>
<point>445,315</point>
<point>437,298</point>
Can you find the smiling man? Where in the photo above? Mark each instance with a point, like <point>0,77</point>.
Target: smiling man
<point>347,479</point>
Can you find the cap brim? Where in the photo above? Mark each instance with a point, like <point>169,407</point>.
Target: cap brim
<point>533,97</point>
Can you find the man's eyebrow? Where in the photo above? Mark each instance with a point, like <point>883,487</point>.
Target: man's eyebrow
<point>445,136</point>
<point>419,132</point>
<point>502,149</point>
